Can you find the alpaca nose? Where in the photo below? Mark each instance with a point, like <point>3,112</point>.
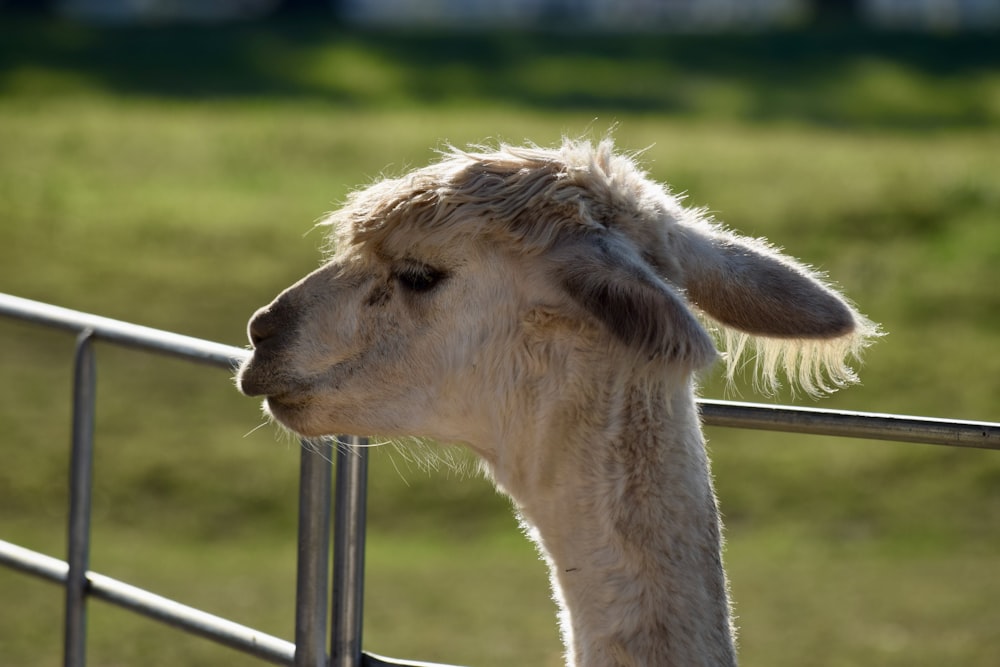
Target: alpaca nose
<point>268,322</point>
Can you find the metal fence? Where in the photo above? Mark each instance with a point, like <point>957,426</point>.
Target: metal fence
<point>317,582</point>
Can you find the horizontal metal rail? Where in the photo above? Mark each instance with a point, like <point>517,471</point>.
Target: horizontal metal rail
<point>876,426</point>
<point>153,606</point>
<point>847,424</point>
<point>123,333</point>
<point>209,626</point>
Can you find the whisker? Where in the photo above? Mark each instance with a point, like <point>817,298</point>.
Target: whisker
<point>395,467</point>
<point>318,447</point>
<point>256,428</point>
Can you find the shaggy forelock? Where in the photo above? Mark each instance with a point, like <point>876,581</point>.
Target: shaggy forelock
<point>528,196</point>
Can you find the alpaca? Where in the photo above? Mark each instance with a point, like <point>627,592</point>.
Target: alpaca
<point>550,309</point>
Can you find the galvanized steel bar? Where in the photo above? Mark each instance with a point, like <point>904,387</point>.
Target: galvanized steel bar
<point>80,486</point>
<point>349,552</point>
<point>236,636</point>
<point>123,333</point>
<point>33,563</point>
<point>312,584</point>
<point>900,428</point>
<point>153,606</point>
<point>189,619</point>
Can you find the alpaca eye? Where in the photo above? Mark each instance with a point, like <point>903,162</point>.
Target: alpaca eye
<point>420,278</point>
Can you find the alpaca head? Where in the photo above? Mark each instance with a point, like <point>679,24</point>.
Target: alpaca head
<point>457,286</point>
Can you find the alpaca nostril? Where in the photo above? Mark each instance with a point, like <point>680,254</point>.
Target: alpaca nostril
<point>262,326</point>
<point>255,332</point>
<point>270,321</point>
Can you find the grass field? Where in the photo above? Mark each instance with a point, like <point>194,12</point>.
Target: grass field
<point>170,177</point>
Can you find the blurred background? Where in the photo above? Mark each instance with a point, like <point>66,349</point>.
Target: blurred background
<point>163,162</point>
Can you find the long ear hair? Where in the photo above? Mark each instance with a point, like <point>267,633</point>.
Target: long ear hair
<point>768,305</point>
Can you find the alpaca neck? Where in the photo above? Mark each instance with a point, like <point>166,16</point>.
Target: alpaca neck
<point>619,499</point>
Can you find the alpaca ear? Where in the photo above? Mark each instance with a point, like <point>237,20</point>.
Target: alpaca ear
<point>746,285</point>
<point>606,277</point>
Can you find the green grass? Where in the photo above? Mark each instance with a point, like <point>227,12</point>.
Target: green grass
<point>170,177</point>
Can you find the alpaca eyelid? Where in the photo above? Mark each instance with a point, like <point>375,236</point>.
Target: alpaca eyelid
<point>420,277</point>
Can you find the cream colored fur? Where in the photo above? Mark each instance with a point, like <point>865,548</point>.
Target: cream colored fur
<point>549,308</point>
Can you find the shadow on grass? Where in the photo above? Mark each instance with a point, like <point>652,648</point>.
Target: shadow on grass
<point>832,77</point>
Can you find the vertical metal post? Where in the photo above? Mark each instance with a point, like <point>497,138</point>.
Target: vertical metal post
<point>80,483</point>
<point>314,554</point>
<point>349,552</point>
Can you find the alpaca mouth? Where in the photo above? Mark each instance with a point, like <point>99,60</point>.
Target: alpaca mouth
<point>256,378</point>
<point>286,398</point>
<point>302,405</point>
